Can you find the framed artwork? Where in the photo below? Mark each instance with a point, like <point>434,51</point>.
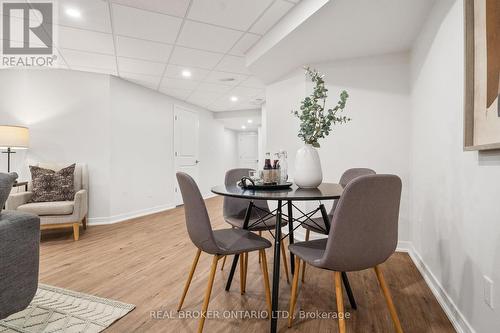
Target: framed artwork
<point>482,75</point>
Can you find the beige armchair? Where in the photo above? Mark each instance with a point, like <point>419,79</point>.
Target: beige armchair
<point>57,214</point>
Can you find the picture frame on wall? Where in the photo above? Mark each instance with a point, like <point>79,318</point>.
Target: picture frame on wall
<point>482,75</point>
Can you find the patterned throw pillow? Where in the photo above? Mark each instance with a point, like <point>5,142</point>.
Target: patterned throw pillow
<point>49,185</point>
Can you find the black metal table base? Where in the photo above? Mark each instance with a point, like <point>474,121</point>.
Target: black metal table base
<point>276,270</point>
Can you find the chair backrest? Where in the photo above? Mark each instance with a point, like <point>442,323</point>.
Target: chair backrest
<point>351,174</point>
<point>6,182</point>
<point>347,177</point>
<point>364,231</point>
<point>237,206</point>
<point>81,180</point>
<point>197,219</point>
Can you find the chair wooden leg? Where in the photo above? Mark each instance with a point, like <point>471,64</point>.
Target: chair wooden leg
<point>340,301</point>
<point>285,263</point>
<point>242,273</point>
<point>304,264</point>
<point>388,299</point>
<point>295,285</point>
<point>262,256</point>
<point>260,235</point>
<point>190,277</point>
<point>223,263</point>
<point>245,270</point>
<point>76,231</point>
<point>84,223</point>
<point>211,278</point>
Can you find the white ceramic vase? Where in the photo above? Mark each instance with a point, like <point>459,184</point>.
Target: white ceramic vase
<point>308,172</point>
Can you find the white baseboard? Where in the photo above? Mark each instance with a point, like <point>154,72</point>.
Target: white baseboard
<point>135,214</point>
<point>128,216</point>
<point>456,317</point>
<point>404,246</point>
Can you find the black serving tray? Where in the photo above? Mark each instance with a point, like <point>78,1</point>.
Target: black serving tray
<point>264,187</point>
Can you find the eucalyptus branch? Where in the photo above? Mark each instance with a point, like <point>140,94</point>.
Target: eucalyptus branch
<point>315,124</point>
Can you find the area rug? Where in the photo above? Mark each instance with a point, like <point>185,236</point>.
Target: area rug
<point>57,310</point>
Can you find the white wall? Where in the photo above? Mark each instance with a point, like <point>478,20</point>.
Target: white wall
<point>379,105</point>
<point>124,132</point>
<point>141,149</point>
<point>69,121</point>
<point>455,208</point>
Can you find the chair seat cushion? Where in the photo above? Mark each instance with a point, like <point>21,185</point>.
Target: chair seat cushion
<point>311,251</point>
<point>48,208</point>
<point>268,223</point>
<point>317,226</point>
<point>235,241</point>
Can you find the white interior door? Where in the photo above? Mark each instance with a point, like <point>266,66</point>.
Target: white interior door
<point>248,147</point>
<point>186,127</point>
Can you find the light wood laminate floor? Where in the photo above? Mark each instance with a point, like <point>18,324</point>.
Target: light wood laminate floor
<point>146,261</point>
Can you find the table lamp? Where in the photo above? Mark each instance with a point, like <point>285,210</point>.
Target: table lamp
<point>13,138</point>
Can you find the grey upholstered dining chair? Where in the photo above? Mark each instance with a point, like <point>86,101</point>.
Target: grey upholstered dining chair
<point>234,210</point>
<point>359,238</point>
<point>218,243</point>
<point>318,225</point>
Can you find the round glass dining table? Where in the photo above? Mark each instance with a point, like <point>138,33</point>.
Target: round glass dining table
<point>284,197</point>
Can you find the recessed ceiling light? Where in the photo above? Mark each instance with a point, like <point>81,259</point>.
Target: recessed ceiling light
<point>243,127</point>
<point>73,12</point>
<point>186,73</point>
<point>234,99</point>
<point>249,121</point>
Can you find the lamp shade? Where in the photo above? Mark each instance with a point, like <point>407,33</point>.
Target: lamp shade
<point>14,137</point>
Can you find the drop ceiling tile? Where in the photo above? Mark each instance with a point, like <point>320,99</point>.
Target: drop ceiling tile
<point>202,98</point>
<point>150,81</point>
<point>181,94</point>
<point>236,14</point>
<point>216,108</point>
<point>253,82</point>
<point>139,23</point>
<point>86,59</point>
<point>233,64</point>
<point>171,7</point>
<point>175,72</point>
<point>94,15</point>
<point>140,66</point>
<point>207,37</point>
<point>223,103</point>
<point>246,93</point>
<point>142,49</point>
<point>179,83</point>
<point>244,44</point>
<point>194,58</point>
<point>225,78</point>
<point>213,88</point>
<point>85,40</point>
<point>94,70</point>
<point>271,16</point>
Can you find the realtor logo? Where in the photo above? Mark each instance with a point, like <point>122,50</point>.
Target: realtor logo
<point>27,28</point>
